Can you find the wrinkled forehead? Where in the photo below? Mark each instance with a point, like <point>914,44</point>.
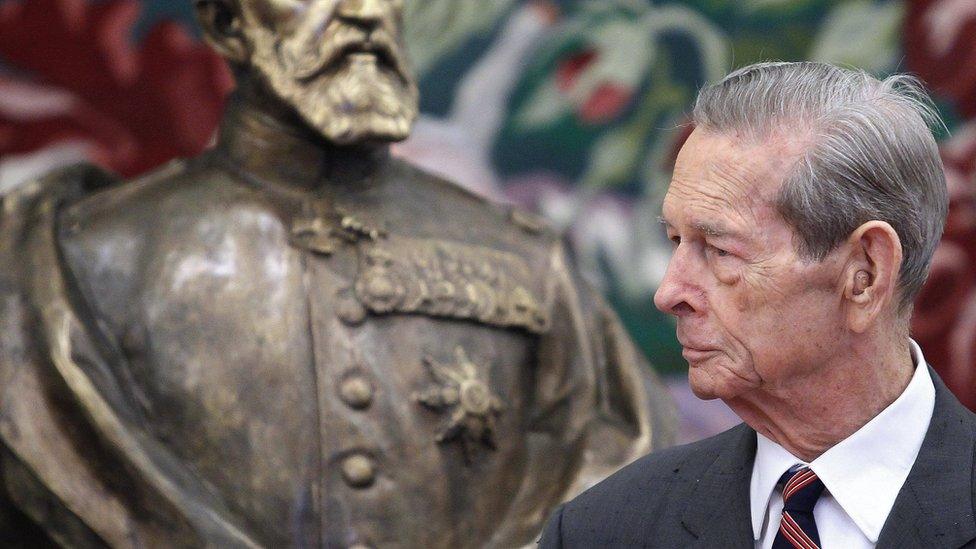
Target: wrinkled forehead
<point>726,165</point>
<point>724,175</point>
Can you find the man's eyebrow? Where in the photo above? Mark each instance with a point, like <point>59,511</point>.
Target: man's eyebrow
<point>710,230</point>
<point>705,228</point>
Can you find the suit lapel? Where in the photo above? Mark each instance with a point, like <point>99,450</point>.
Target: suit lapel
<point>718,508</point>
<point>935,506</point>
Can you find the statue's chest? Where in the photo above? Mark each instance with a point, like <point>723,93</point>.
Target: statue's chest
<point>228,304</point>
<point>283,371</point>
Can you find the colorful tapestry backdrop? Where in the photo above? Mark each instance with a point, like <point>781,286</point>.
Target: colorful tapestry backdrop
<point>574,108</point>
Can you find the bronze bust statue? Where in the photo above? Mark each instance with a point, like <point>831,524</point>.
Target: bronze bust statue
<point>295,339</point>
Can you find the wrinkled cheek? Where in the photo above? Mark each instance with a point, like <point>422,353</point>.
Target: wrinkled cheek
<point>753,292</point>
<point>726,377</point>
<point>743,363</point>
<point>744,304</point>
<point>741,335</point>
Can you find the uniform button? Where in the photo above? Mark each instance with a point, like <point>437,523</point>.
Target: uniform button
<point>350,310</point>
<point>356,391</point>
<point>380,287</point>
<point>359,470</point>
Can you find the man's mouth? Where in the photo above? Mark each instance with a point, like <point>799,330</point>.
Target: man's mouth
<point>694,351</point>
<point>693,355</point>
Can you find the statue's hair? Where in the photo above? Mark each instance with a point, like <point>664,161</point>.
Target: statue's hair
<point>871,154</point>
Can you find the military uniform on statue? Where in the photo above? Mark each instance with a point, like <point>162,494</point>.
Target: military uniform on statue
<point>296,339</point>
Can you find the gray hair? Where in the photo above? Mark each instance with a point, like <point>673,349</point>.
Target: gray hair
<point>871,155</point>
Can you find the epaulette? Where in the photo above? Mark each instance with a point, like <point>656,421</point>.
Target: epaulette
<point>58,186</point>
<point>530,222</point>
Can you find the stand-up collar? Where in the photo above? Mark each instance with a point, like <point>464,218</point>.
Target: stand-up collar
<point>272,148</point>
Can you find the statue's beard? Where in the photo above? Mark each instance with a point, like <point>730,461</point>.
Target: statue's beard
<point>360,99</point>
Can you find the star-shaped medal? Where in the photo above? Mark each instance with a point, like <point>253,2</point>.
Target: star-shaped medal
<point>461,390</point>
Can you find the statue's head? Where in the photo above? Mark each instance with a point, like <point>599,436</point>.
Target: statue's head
<point>340,64</point>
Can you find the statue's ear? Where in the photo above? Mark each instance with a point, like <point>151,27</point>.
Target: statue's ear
<point>221,24</point>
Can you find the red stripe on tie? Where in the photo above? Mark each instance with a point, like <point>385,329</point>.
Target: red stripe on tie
<point>798,483</point>
<point>788,536</point>
<point>793,540</point>
<point>795,528</point>
<point>797,478</point>
<point>808,542</point>
<point>799,487</point>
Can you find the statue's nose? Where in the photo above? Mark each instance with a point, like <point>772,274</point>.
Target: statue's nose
<point>362,10</point>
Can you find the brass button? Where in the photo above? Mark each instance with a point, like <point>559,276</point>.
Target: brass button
<point>349,310</point>
<point>380,287</point>
<point>358,470</point>
<point>356,391</point>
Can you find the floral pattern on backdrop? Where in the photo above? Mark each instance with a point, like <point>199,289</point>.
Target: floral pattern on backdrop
<point>574,108</point>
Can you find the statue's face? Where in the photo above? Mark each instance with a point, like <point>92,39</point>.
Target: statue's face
<point>339,63</point>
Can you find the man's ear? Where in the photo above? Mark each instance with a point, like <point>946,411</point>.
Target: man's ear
<point>871,274</point>
<point>221,24</point>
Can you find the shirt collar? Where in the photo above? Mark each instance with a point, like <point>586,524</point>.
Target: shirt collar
<point>865,471</point>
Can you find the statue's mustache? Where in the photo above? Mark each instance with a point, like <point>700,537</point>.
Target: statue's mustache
<point>313,61</point>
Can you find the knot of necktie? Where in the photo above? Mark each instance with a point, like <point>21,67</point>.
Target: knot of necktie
<point>801,490</point>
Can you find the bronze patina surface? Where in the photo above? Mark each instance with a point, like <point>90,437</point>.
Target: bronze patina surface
<point>295,339</point>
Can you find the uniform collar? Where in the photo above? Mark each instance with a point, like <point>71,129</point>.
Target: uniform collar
<point>272,150</point>
<point>865,471</point>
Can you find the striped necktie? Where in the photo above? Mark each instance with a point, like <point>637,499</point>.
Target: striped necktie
<point>797,529</point>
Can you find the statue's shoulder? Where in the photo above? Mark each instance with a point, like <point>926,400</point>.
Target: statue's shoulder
<point>120,220</point>
<point>52,190</point>
<point>28,213</point>
<point>470,208</point>
<point>145,198</point>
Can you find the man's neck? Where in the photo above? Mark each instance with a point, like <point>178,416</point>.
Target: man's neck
<point>808,416</point>
<point>270,144</point>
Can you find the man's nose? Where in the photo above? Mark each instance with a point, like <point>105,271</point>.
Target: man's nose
<point>677,295</point>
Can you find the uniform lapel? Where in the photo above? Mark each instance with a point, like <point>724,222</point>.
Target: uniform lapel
<point>718,509</point>
<point>935,506</point>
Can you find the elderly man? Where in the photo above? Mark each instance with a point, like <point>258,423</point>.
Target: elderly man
<point>804,211</point>
<point>295,339</point>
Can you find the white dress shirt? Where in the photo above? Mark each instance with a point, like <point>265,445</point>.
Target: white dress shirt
<point>862,473</point>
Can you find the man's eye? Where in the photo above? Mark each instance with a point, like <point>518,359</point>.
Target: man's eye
<point>675,239</point>
<point>719,252</point>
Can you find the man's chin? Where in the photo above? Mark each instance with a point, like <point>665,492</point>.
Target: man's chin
<point>703,392</point>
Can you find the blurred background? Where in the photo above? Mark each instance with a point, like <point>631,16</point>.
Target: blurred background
<point>572,108</point>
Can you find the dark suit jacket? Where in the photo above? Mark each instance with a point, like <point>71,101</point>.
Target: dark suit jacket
<point>697,495</point>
